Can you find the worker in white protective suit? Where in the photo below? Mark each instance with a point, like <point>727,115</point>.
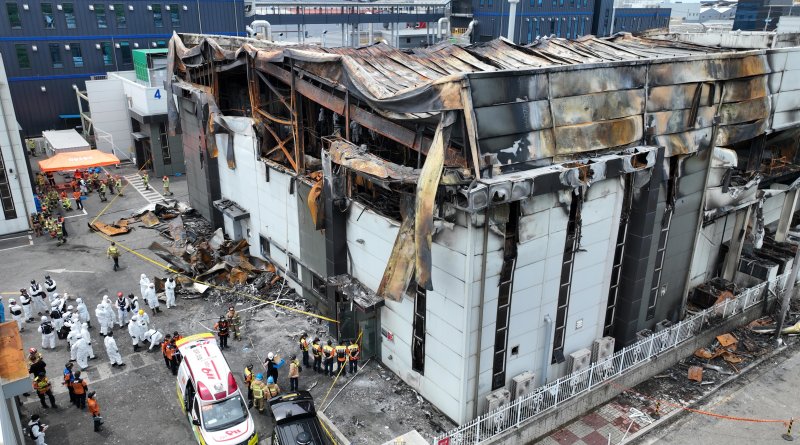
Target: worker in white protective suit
<point>83,312</point>
<point>110,304</point>
<point>53,297</point>
<point>17,313</point>
<point>72,338</point>
<point>112,350</point>
<point>81,351</point>
<point>169,292</point>
<point>143,283</point>
<point>85,335</point>
<point>154,337</point>
<point>105,316</point>
<point>27,304</point>
<point>151,298</point>
<point>133,331</point>
<point>48,333</point>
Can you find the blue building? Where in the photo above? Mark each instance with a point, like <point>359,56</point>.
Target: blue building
<point>760,15</point>
<point>561,18</point>
<point>50,46</point>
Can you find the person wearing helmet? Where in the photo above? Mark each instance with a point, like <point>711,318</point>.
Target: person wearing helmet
<point>165,184</point>
<point>154,337</point>
<point>143,316</point>
<point>259,389</point>
<point>151,298</point>
<point>248,380</point>
<point>223,329</point>
<point>122,309</point>
<point>169,292</point>
<point>273,363</point>
<point>118,185</point>
<point>37,429</point>
<point>56,319</point>
<point>112,312</point>
<point>294,373</point>
<point>49,284</point>
<point>146,180</point>
<point>113,253</point>
<point>81,350</point>
<point>234,321</point>
<point>328,356</point>
<point>94,410</point>
<point>43,388</point>
<point>316,351</point>
<point>25,301</point>
<point>16,313</point>
<point>304,348</point>
<point>83,312</point>
<point>273,390</point>
<point>36,363</point>
<point>48,333</point>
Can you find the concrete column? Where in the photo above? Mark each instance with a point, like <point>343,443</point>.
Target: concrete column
<point>343,35</point>
<point>737,241</point>
<point>512,17</point>
<point>787,212</point>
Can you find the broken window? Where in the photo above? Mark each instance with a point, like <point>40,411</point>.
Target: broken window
<point>265,246</point>
<point>418,330</point>
<point>571,244</point>
<point>318,284</point>
<point>504,295</point>
<point>293,266</point>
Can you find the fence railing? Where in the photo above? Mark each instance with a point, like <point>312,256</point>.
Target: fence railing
<point>549,396</point>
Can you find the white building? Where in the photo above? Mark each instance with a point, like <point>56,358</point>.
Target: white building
<point>16,193</point>
<point>484,213</point>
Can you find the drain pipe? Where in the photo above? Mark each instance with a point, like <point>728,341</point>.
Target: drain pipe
<point>512,18</point>
<point>480,314</point>
<point>260,24</point>
<point>546,359</point>
<point>439,23</point>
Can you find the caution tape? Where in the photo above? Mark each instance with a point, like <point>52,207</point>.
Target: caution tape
<point>660,403</point>
<point>215,286</point>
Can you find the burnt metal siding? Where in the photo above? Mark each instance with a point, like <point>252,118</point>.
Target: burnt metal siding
<point>202,174</point>
<point>312,248</point>
<point>636,20</point>
<point>493,20</point>
<point>37,111</point>
<point>681,242</point>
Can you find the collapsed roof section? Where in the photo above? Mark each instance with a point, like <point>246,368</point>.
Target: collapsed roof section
<point>517,107</point>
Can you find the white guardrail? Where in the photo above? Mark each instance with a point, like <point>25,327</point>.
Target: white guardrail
<point>549,396</point>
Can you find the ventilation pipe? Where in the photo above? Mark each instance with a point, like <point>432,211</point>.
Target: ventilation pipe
<point>512,17</point>
<point>468,32</point>
<point>264,25</point>
<point>441,21</point>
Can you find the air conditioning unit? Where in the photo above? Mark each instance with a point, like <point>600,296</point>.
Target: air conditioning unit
<point>644,333</point>
<point>602,348</point>
<point>579,360</point>
<point>497,399</point>
<point>522,384</point>
<point>662,325</point>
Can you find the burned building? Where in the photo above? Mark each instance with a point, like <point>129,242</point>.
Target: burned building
<point>474,213</point>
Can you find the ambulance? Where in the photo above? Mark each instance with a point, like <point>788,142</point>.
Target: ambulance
<point>209,395</point>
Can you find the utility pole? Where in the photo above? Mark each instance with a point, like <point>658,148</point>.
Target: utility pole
<point>787,295</point>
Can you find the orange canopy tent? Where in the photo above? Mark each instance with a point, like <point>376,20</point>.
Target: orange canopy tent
<point>77,159</point>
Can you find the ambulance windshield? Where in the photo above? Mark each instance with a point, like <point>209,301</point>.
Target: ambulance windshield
<point>224,414</point>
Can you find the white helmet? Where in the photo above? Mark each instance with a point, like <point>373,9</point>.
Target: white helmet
<point>79,301</point>
<point>135,318</point>
<point>55,294</point>
<point>12,301</point>
<point>143,276</point>
<point>69,308</point>
<point>270,356</point>
<point>151,285</point>
<point>44,318</point>
<point>105,298</point>
<point>85,325</point>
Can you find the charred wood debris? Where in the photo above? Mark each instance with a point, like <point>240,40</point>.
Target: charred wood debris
<point>203,262</point>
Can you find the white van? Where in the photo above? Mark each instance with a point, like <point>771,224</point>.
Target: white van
<point>209,395</point>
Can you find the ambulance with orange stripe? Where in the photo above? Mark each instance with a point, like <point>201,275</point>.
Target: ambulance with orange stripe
<point>209,395</point>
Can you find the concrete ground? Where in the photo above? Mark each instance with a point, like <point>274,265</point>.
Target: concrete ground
<point>138,401</point>
<point>768,392</point>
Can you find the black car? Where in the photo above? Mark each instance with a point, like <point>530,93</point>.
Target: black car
<point>296,421</point>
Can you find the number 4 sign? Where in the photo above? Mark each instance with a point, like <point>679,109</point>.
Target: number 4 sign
<point>157,95</point>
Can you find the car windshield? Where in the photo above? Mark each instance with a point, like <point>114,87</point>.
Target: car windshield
<point>224,414</point>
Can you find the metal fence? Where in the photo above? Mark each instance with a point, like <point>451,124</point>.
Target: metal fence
<point>549,396</point>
